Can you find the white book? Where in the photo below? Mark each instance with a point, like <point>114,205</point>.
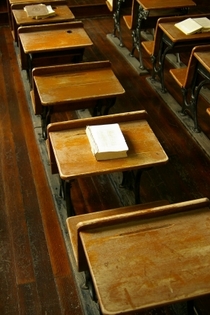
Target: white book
<point>191,26</point>
<point>107,141</point>
<point>204,22</point>
<point>39,11</point>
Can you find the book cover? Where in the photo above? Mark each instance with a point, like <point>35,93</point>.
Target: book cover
<point>189,26</point>
<point>39,11</point>
<point>204,22</point>
<point>107,141</point>
<point>192,26</point>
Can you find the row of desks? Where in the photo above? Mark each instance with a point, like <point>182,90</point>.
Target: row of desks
<point>144,15</point>
<point>77,85</point>
<point>71,157</point>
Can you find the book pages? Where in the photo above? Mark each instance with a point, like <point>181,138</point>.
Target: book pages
<point>107,141</point>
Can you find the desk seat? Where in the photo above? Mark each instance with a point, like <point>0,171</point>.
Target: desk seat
<point>145,258</point>
<point>86,85</point>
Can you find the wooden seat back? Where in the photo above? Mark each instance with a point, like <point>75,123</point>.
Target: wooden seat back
<point>132,19</point>
<point>184,76</point>
<point>46,27</point>
<point>113,217</point>
<point>153,47</point>
<point>111,5</point>
<point>73,222</point>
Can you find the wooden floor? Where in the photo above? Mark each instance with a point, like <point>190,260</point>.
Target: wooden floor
<point>37,275</point>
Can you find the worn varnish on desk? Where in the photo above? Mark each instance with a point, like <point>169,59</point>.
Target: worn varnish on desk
<point>71,151</point>
<point>140,262</point>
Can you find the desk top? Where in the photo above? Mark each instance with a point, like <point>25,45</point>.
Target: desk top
<point>63,13</point>
<point>41,38</point>
<point>204,58</point>
<point>30,1</point>
<point>73,155</point>
<point>169,259</point>
<point>76,83</point>
<point>175,35</point>
<point>163,4</point>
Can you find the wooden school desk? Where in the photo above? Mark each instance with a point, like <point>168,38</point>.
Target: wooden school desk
<point>173,40</point>
<point>11,2</point>
<point>147,258</point>
<point>153,8</point>
<point>79,86</point>
<point>70,153</point>
<point>41,44</point>
<point>20,18</point>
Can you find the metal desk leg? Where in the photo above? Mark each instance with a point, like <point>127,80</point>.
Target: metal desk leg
<point>190,307</point>
<point>131,180</point>
<point>106,103</point>
<point>116,17</point>
<point>45,120</point>
<point>65,192</point>
<point>136,35</point>
<point>88,285</point>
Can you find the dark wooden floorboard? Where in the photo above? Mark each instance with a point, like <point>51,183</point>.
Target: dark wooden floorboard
<point>36,276</point>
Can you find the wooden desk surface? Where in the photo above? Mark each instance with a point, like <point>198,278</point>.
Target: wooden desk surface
<point>169,260</point>
<point>52,37</point>
<point>28,1</point>
<point>73,155</point>
<point>163,4</point>
<point>175,35</point>
<point>76,83</point>
<point>204,58</point>
<point>63,13</point>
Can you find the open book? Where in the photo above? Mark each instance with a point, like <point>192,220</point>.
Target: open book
<point>39,11</point>
<point>196,25</point>
<point>107,141</point>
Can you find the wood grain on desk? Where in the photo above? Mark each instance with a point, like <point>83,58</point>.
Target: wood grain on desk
<point>175,35</point>
<point>163,4</point>
<point>76,83</point>
<point>169,259</point>
<point>73,155</point>
<point>63,13</point>
<point>52,37</point>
